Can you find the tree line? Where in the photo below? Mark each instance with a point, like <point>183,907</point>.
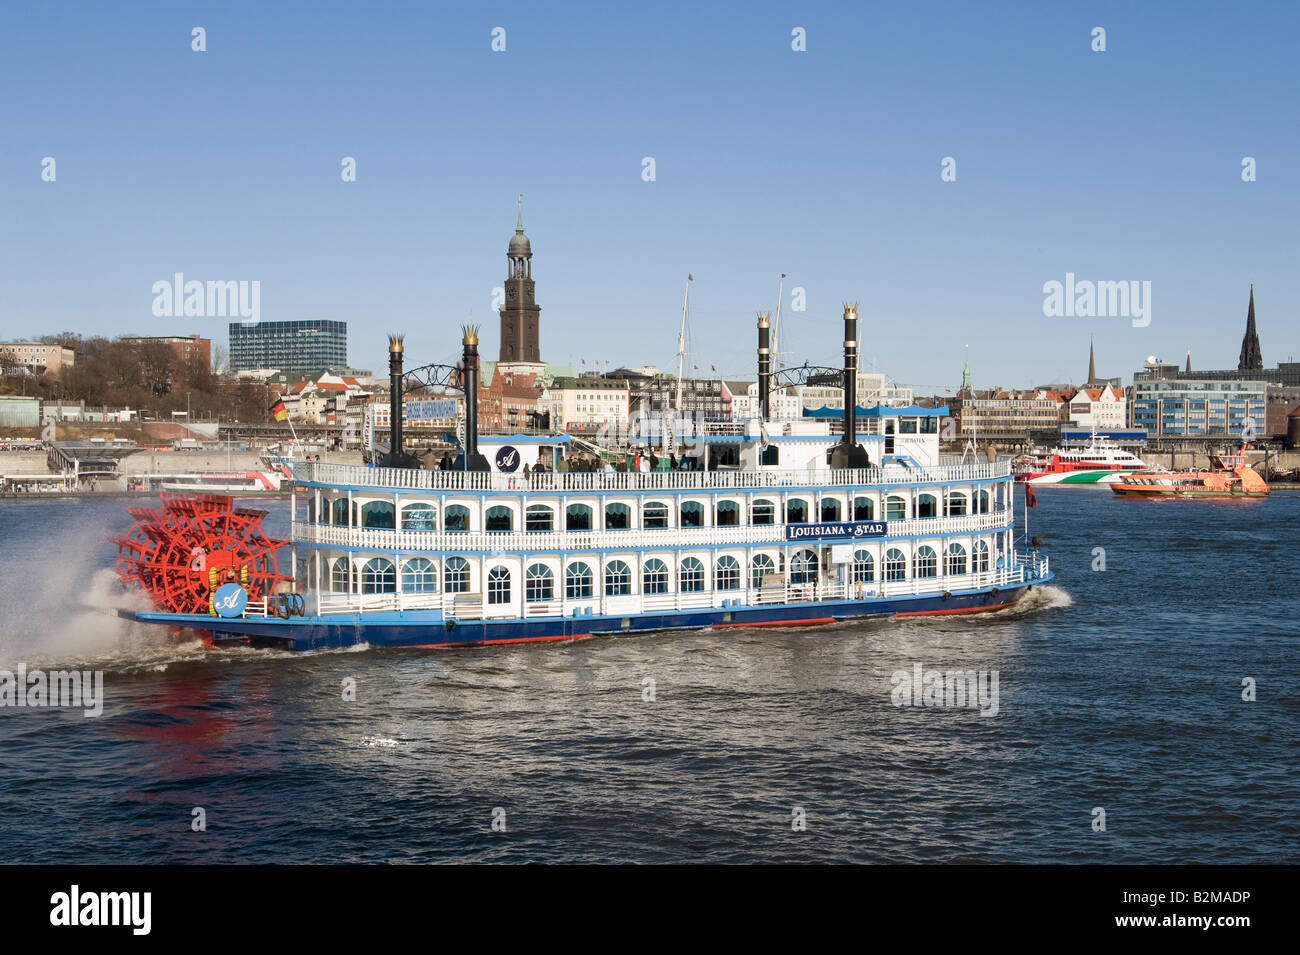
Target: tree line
<point>146,376</point>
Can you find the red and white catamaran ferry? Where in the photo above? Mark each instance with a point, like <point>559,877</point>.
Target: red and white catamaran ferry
<point>1101,462</point>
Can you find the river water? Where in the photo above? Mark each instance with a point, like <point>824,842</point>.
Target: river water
<point>1119,689</point>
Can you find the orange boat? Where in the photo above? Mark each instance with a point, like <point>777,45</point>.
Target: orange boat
<point>1229,476</point>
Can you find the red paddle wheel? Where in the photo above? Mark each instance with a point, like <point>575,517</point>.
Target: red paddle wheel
<point>192,544</point>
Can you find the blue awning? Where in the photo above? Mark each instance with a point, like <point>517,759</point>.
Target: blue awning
<point>880,411</point>
<point>913,411</point>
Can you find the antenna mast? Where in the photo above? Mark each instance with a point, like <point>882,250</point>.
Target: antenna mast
<point>776,326</point>
<point>681,343</point>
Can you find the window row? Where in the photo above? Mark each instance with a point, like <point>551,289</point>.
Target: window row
<point>540,518</point>
<point>419,574</point>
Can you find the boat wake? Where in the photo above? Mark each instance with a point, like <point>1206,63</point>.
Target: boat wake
<point>1038,600</point>
<point>75,626</point>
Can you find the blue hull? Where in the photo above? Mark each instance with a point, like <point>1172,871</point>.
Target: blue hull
<point>428,628</point>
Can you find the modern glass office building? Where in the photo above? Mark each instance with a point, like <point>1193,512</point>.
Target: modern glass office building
<point>289,346</point>
<point>1187,407</point>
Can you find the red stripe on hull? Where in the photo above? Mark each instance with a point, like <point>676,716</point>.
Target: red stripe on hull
<point>806,622</point>
<point>490,643</point>
<point>941,613</point>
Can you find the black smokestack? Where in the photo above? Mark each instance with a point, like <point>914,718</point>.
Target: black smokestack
<point>848,453</point>
<point>395,400</point>
<point>472,460</point>
<point>764,366</point>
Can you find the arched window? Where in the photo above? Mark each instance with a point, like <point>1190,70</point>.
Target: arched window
<point>895,564</point>
<point>539,583</point>
<point>457,518</point>
<point>984,501</point>
<point>803,567</point>
<point>654,514</point>
<point>577,582</point>
<point>830,509</point>
<point>895,508</point>
<point>796,512</point>
<point>654,577</point>
<point>956,559</point>
<point>726,576</point>
<point>340,508</point>
<point>339,582</point>
<point>419,576</point>
<point>419,517</point>
<point>498,519</point>
<point>377,514</point>
<point>378,576</point>
<point>728,513</point>
<point>763,511</point>
<point>864,567</point>
<point>981,557</point>
<point>618,517</point>
<point>759,567</point>
<point>498,587</point>
<point>956,504</point>
<point>692,514</point>
<point>927,505</point>
<point>927,563</point>
<point>690,576</point>
<point>455,575</point>
<point>577,518</point>
<point>539,518</point>
<point>863,509</point>
<point>618,579</point>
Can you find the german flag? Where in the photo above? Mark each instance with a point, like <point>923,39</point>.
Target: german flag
<point>279,411</point>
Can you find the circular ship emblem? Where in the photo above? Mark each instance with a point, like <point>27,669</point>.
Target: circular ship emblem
<point>230,600</point>
<point>508,459</point>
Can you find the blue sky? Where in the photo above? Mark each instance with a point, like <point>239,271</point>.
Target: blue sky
<point>824,164</point>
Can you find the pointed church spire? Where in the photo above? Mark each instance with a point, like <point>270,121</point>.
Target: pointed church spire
<point>519,225</point>
<point>965,372</point>
<point>1251,359</point>
<point>1092,365</point>
<point>1188,369</point>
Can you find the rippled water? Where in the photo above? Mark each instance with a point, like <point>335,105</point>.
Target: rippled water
<point>1118,689</point>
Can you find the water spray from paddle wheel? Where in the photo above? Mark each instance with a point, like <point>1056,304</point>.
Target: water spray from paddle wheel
<point>181,552</point>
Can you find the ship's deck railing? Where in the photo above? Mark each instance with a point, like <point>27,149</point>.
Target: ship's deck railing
<point>384,540</point>
<point>471,606</point>
<point>354,475</point>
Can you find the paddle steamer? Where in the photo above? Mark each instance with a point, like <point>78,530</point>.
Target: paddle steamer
<point>778,523</point>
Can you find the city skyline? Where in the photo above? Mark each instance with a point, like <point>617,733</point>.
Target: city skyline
<point>824,164</point>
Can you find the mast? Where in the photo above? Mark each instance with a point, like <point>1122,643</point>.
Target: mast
<point>681,344</point>
<point>776,326</point>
